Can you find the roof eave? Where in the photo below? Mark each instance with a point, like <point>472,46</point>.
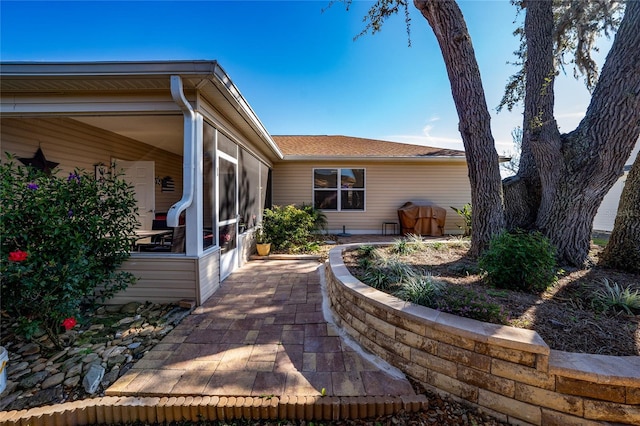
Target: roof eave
<point>109,68</point>
<point>456,159</point>
<point>202,71</point>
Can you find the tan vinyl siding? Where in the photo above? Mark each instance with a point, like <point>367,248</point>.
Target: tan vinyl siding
<point>160,280</point>
<point>208,275</point>
<point>78,145</point>
<point>388,186</point>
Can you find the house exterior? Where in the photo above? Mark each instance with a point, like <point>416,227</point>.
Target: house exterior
<point>606,215</point>
<point>360,183</point>
<point>201,161</point>
<point>183,134</point>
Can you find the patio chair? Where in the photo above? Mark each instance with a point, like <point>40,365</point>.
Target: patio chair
<point>174,244</point>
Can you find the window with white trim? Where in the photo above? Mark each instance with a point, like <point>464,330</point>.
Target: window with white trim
<point>339,189</point>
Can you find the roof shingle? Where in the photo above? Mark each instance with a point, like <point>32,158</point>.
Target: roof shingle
<point>347,146</point>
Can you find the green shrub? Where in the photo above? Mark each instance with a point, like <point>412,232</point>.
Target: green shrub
<point>365,262</point>
<point>288,228</point>
<point>402,247</point>
<point>616,298</point>
<point>421,289</point>
<point>366,251</point>
<point>396,270</point>
<point>465,214</point>
<point>317,216</point>
<point>520,261</point>
<point>467,303</point>
<point>376,278</point>
<point>417,241</point>
<point>63,239</point>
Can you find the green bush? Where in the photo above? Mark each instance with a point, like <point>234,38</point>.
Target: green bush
<point>403,247</point>
<point>614,297</point>
<point>317,216</point>
<point>520,261</point>
<point>289,228</point>
<point>465,214</point>
<point>376,278</point>
<point>421,289</point>
<point>366,251</point>
<point>63,239</point>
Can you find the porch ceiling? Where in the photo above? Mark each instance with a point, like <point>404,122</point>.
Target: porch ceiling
<point>161,131</point>
<point>88,84</point>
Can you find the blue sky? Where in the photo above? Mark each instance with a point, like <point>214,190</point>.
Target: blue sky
<point>297,65</point>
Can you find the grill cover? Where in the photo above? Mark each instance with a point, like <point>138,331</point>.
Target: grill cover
<point>426,220</point>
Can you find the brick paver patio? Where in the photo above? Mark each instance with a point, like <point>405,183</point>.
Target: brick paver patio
<point>262,333</point>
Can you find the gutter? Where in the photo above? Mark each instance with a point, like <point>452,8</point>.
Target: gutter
<point>409,158</point>
<point>189,161</point>
<point>447,159</point>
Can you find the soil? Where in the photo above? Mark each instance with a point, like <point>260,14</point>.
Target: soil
<point>563,315</point>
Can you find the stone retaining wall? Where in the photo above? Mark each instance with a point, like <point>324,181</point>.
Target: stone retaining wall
<point>508,372</point>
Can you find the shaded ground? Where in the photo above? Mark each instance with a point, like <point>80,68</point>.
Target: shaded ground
<point>563,315</point>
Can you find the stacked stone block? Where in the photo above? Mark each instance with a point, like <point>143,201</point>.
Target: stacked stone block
<point>509,372</point>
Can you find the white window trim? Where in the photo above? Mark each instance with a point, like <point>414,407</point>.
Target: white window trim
<point>339,200</point>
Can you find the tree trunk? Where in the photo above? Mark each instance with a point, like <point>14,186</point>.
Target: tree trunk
<point>523,192</point>
<point>623,249</point>
<point>577,170</point>
<point>449,27</point>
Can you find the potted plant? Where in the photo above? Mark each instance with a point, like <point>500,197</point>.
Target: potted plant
<point>263,245</point>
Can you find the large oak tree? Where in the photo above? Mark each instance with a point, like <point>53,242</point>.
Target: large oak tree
<point>623,249</point>
<point>563,177</point>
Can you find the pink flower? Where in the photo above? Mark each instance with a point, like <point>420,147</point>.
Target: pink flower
<point>18,256</point>
<point>69,323</point>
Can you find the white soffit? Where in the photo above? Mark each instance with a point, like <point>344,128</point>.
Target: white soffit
<point>161,131</point>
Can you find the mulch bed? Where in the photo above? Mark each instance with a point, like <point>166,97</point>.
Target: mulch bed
<point>563,315</point>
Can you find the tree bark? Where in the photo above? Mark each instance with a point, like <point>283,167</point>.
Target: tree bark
<point>623,249</point>
<point>449,27</point>
<point>577,170</point>
<point>524,191</point>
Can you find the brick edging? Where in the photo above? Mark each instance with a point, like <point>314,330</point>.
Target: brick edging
<point>114,410</point>
<point>508,371</point>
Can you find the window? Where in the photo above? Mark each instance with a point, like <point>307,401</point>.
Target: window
<point>338,189</point>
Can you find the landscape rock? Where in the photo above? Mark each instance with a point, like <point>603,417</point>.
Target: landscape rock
<point>130,308</point>
<point>110,377</point>
<point>52,381</point>
<point>13,368</point>
<point>134,345</point>
<point>38,376</point>
<point>30,349</point>
<point>93,378</point>
<point>74,371</point>
<point>44,397</point>
<point>71,381</point>
<point>34,379</point>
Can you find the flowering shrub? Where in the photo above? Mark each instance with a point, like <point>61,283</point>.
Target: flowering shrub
<point>69,323</point>
<point>18,256</point>
<point>63,239</point>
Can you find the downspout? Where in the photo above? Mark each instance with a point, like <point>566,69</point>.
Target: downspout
<point>189,161</point>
